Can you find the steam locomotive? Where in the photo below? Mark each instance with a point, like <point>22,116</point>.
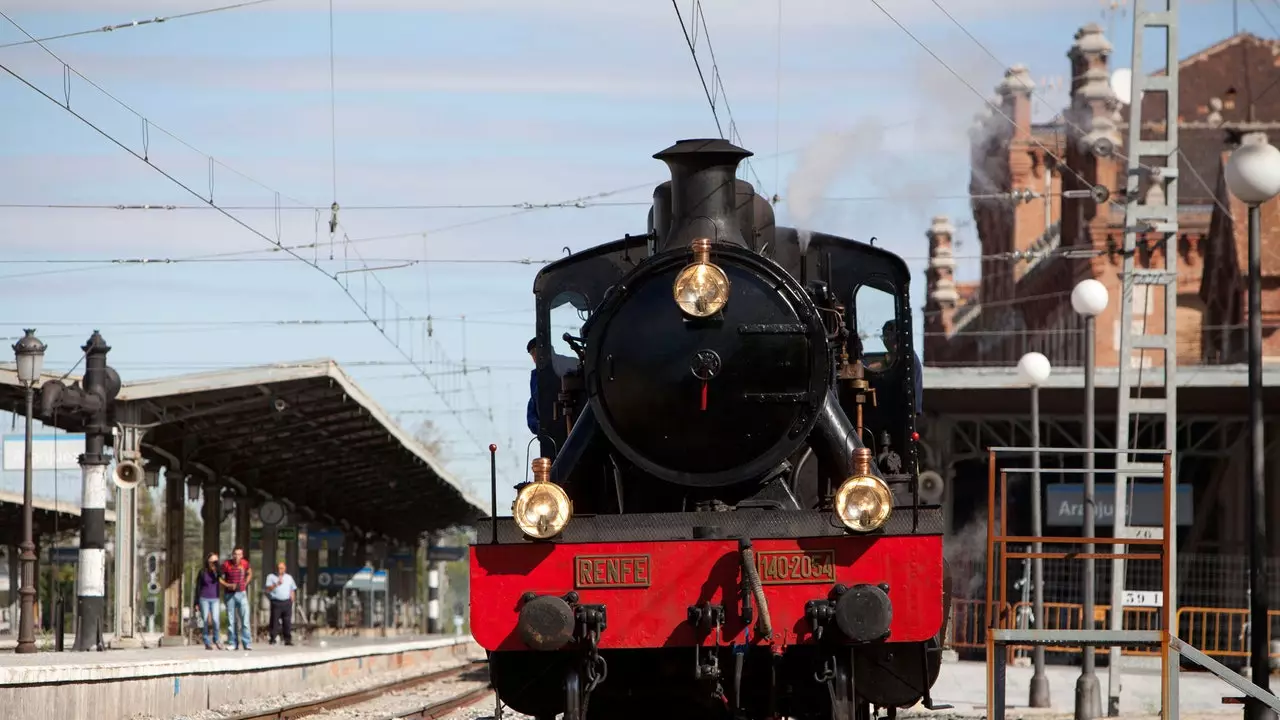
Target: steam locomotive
<point>725,518</point>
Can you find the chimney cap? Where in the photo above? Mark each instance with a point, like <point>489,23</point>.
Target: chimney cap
<point>1017,79</point>
<point>941,226</point>
<point>710,145</point>
<point>1091,41</point>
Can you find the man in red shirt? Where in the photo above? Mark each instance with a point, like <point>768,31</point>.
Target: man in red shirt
<point>236,575</point>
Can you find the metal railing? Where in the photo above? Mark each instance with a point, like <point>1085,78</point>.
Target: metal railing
<point>1155,631</point>
<point>1204,579</point>
<point>1002,639</point>
<point>1221,633</point>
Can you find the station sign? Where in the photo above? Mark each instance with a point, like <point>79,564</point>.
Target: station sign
<point>322,539</point>
<point>48,451</point>
<point>1064,504</point>
<point>335,577</point>
<point>1143,598</point>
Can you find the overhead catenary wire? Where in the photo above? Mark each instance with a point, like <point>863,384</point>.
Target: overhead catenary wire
<point>1264,17</point>
<point>1065,120</point>
<point>996,108</point>
<point>136,23</point>
<point>279,247</point>
<point>346,364</point>
<point>1160,245</point>
<point>565,204</point>
<point>716,82</point>
<point>1061,116</point>
<point>380,327</point>
<point>409,261</point>
<point>1013,195</point>
<point>248,322</point>
<point>404,262</point>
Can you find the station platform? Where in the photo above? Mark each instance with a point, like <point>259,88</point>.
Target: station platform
<point>172,681</point>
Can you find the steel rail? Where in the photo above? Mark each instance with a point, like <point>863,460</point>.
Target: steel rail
<point>309,707</point>
<point>444,707</point>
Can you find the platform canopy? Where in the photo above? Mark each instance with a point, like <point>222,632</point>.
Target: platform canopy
<point>303,433</point>
<point>1212,389</point>
<point>46,515</point>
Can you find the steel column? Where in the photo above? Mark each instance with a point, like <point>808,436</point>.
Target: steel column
<point>1039,681</point>
<point>175,530</point>
<point>1259,620</point>
<point>1088,695</point>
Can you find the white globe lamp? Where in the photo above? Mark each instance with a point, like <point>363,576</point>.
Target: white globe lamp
<point>1253,172</point>
<point>1089,298</point>
<point>1034,369</point>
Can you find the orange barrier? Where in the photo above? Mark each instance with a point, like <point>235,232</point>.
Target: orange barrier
<point>1220,632</point>
<point>968,626</point>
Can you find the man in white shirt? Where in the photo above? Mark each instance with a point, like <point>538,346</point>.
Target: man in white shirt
<point>281,590</point>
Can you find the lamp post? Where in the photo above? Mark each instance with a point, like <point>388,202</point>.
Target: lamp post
<point>1088,299</point>
<point>1253,175</point>
<point>1034,369</point>
<point>29,352</point>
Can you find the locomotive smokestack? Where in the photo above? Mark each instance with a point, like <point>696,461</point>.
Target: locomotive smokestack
<point>703,192</point>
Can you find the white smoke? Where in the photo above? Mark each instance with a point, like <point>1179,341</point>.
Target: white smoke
<point>966,553</point>
<point>820,165</point>
<point>910,154</point>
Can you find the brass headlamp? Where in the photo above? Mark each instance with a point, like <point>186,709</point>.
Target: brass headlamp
<point>863,502</point>
<point>542,508</point>
<point>702,288</point>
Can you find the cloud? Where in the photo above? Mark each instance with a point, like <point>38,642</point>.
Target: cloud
<point>627,77</point>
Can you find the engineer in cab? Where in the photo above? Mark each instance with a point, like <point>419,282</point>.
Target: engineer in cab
<point>892,347</point>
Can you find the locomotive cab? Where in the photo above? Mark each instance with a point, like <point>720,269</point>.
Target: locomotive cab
<point>726,497</point>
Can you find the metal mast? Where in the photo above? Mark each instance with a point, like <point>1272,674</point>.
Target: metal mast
<point>1160,219</point>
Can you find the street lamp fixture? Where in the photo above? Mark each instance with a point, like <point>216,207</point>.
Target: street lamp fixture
<point>1033,370</point>
<point>29,352</point>
<point>30,356</point>
<point>1253,175</point>
<point>1089,299</point>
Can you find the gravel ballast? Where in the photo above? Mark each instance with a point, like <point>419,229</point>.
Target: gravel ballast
<point>264,704</point>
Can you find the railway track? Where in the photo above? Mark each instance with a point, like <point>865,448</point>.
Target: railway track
<point>333,706</point>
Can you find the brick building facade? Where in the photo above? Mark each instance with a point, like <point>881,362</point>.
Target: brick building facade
<point>1036,244</point>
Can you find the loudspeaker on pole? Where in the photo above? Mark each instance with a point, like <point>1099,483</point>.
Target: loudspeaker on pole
<point>127,474</point>
<point>931,487</point>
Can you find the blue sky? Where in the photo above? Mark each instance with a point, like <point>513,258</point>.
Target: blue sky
<point>459,103</point>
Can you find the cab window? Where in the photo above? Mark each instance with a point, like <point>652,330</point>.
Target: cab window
<point>875,318</point>
<point>568,312</point>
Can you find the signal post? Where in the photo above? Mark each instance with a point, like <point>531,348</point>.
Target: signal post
<point>91,401</point>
